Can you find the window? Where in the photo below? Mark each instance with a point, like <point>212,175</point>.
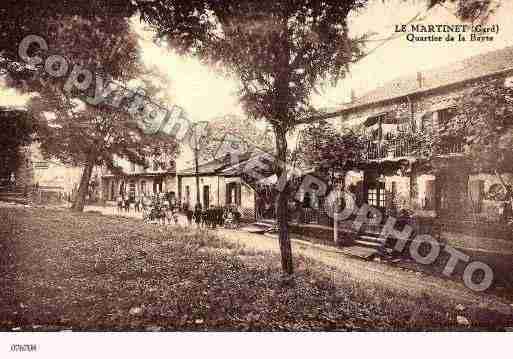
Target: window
<point>429,203</point>
<point>426,121</point>
<point>233,193</point>
<point>376,195</point>
<point>41,165</point>
<point>131,190</point>
<point>378,121</point>
<point>143,187</point>
<point>373,196</point>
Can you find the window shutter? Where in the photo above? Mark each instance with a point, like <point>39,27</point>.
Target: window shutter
<point>228,194</point>
<point>239,194</point>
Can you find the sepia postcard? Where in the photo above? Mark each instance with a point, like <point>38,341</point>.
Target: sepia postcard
<point>174,173</point>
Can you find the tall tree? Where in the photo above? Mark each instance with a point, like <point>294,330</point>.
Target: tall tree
<point>72,126</point>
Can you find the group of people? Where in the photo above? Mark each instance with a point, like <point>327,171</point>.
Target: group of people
<point>161,209</point>
<point>125,204</point>
<point>157,207</point>
<point>213,216</point>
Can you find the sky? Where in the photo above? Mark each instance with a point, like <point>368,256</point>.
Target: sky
<point>207,95</point>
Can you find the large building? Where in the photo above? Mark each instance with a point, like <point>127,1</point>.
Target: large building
<point>396,178</point>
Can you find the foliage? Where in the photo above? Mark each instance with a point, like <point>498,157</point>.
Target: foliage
<point>483,122</point>
<point>232,134</point>
<point>21,18</point>
<point>470,10</point>
<point>16,129</point>
<point>329,151</point>
<point>75,131</point>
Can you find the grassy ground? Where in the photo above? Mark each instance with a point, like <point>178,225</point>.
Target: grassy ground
<point>60,270</point>
<point>497,254</point>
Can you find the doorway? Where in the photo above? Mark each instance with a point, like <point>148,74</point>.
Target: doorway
<point>206,196</point>
<point>157,186</point>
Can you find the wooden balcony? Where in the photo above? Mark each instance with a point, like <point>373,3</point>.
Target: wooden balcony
<point>395,148</point>
<point>406,147</point>
<point>451,148</point>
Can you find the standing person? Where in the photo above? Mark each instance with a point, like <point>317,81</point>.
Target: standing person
<point>204,217</point>
<point>236,216</point>
<point>188,213</point>
<point>212,220</point>
<point>175,215</point>
<point>228,223</point>
<point>220,216</point>
<point>197,214</point>
<point>120,203</point>
<point>144,203</point>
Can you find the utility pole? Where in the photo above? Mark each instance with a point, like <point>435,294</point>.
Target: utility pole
<point>196,149</point>
<point>196,155</point>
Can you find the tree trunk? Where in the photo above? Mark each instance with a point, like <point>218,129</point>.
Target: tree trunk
<point>79,203</point>
<point>282,210</point>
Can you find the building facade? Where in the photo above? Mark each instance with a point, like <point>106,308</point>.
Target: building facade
<point>220,184</point>
<point>136,181</point>
<point>395,177</point>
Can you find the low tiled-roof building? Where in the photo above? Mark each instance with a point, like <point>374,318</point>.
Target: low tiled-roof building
<point>221,183</point>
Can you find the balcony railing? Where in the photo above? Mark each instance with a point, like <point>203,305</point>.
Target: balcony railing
<point>400,147</point>
<point>404,147</point>
<point>451,148</point>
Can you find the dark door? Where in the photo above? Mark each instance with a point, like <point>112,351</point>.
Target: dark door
<point>453,193</point>
<point>112,191</point>
<point>206,196</point>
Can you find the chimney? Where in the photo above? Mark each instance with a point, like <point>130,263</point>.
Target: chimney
<point>419,79</point>
<point>353,96</point>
